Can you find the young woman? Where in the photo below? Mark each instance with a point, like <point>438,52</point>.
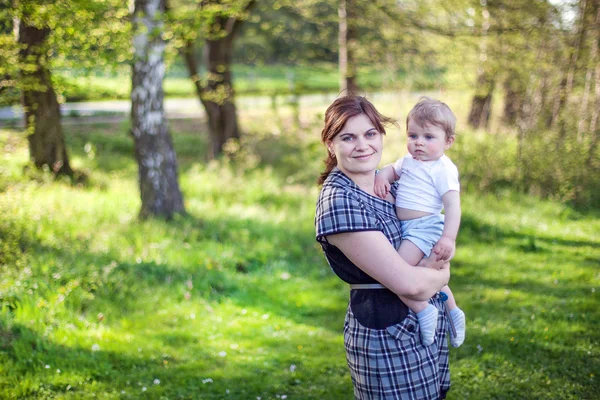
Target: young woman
<point>359,234</point>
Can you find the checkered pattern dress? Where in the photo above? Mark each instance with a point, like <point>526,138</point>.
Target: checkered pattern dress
<point>388,363</point>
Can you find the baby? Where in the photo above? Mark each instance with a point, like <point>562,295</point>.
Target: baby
<point>428,183</point>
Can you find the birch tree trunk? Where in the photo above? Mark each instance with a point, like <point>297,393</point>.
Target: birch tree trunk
<point>154,150</point>
<point>346,43</point>
<point>40,105</point>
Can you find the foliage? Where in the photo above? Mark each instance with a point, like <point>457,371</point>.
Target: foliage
<point>493,164</point>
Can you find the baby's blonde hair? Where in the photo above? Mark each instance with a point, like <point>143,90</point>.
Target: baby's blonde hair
<point>431,111</point>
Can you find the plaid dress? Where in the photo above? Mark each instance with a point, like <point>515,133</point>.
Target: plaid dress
<point>381,335</point>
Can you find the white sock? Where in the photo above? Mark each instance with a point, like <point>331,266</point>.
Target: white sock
<point>428,319</point>
<point>458,317</point>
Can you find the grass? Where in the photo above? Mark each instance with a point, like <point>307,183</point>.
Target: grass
<point>235,300</point>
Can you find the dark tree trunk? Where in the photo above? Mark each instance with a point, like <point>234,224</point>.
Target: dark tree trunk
<point>481,105</point>
<point>217,94</point>
<point>154,150</point>
<point>566,84</point>
<point>347,41</point>
<point>514,97</point>
<point>40,105</point>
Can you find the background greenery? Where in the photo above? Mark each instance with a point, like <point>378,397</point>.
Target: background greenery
<point>235,300</point>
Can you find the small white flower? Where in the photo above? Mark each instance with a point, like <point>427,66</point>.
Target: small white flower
<point>265,316</point>
<point>47,366</point>
<point>292,368</point>
<point>207,380</point>
<point>283,396</point>
<point>222,354</point>
<point>95,347</point>
<point>144,389</point>
<point>58,371</point>
<point>157,382</point>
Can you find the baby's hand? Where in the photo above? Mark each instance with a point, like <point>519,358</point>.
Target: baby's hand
<point>444,248</point>
<point>381,187</point>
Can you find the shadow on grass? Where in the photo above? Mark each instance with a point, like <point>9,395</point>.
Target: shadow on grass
<point>220,264</point>
<point>521,365</point>
<point>473,230</point>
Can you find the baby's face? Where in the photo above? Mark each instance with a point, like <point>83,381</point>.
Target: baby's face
<point>428,142</point>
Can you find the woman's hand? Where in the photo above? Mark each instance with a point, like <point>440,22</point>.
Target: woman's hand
<point>440,265</point>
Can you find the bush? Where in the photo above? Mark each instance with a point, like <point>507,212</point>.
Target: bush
<point>541,165</point>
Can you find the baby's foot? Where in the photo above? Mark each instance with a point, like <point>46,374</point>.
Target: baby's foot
<point>428,319</point>
<point>458,317</point>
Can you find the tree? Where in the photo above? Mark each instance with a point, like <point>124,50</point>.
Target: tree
<point>40,104</point>
<point>221,26</point>
<point>347,43</point>
<point>156,158</point>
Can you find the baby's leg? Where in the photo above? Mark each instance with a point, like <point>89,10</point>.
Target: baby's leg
<point>427,314</point>
<point>458,318</point>
<point>451,302</point>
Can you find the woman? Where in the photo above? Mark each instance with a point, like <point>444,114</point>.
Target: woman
<point>359,234</point>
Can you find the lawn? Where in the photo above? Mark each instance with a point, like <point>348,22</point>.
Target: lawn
<point>235,299</point>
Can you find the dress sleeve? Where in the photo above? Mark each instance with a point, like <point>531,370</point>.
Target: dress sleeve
<point>339,210</point>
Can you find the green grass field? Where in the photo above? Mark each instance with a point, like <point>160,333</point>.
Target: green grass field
<point>236,301</point>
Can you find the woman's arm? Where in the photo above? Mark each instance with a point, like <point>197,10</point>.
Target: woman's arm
<point>371,252</point>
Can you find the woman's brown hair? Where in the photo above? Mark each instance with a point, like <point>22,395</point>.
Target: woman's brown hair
<point>336,116</point>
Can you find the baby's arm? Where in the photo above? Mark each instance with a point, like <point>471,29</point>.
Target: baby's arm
<point>444,248</point>
<point>383,179</point>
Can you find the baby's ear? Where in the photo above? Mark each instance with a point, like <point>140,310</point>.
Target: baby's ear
<point>449,141</point>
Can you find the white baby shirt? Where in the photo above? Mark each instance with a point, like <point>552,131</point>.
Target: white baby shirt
<point>423,183</point>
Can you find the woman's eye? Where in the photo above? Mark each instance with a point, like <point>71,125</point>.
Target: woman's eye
<point>347,138</point>
<point>371,134</point>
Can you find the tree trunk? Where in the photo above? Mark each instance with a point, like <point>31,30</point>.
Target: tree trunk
<point>514,97</point>
<point>594,124</point>
<point>566,84</point>
<point>347,42</point>
<point>217,94</point>
<point>481,105</point>
<point>40,105</point>
<point>593,69</point>
<point>154,150</point>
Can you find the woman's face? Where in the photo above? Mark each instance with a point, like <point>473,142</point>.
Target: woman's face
<point>357,147</point>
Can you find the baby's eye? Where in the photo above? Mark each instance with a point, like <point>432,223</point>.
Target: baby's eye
<point>428,137</point>
<point>412,136</point>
